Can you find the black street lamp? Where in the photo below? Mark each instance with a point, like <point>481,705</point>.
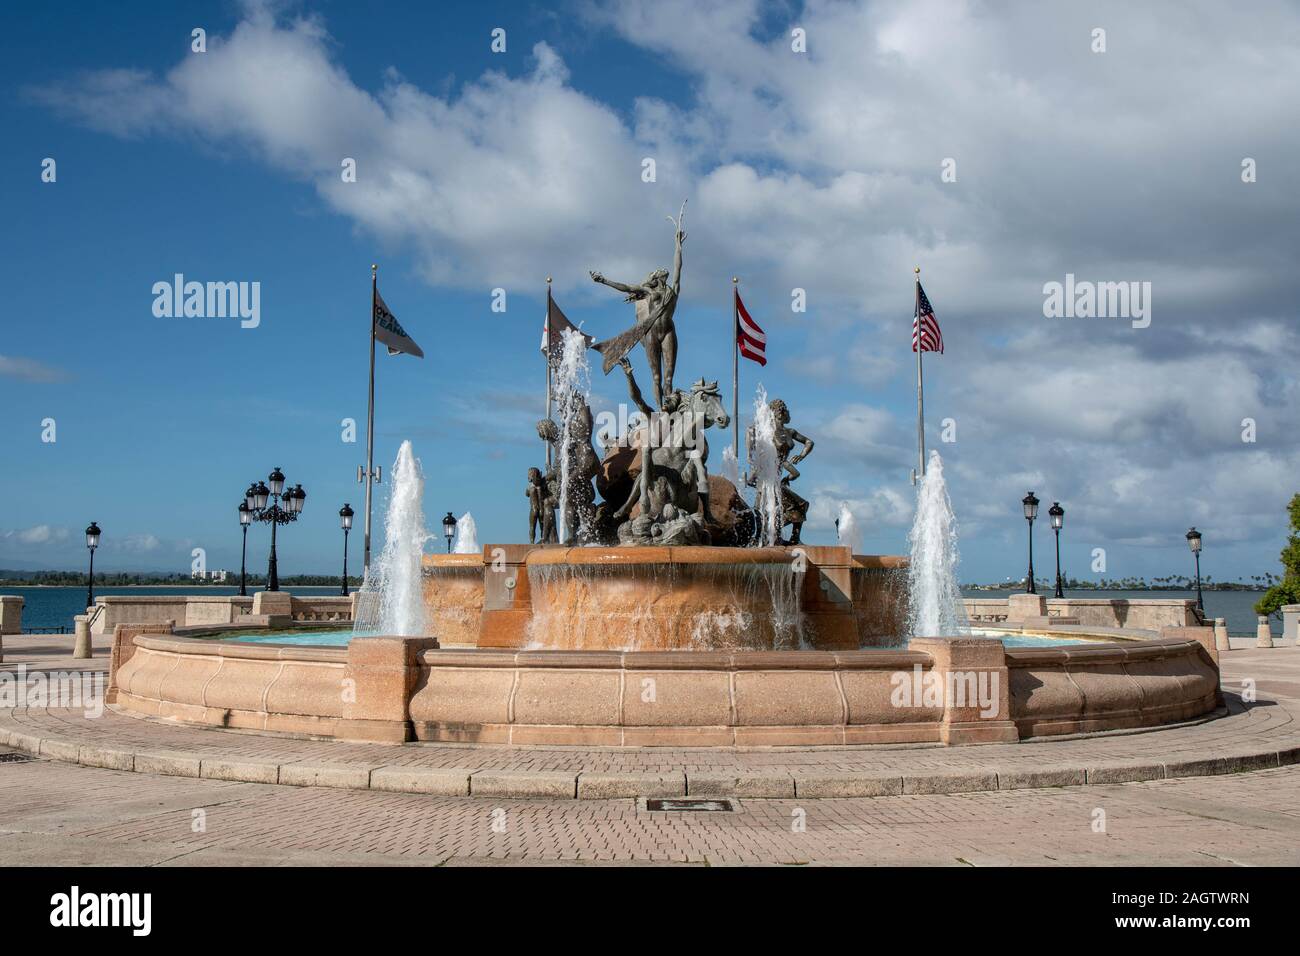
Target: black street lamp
<point>1194,542</point>
<point>92,542</point>
<point>1057,514</point>
<point>449,529</point>
<point>277,505</point>
<point>245,519</point>
<point>345,519</point>
<point>1031,512</point>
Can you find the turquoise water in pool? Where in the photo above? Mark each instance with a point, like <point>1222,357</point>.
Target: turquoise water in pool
<point>301,638</point>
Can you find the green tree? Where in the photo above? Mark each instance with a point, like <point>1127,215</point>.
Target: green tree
<point>1287,591</point>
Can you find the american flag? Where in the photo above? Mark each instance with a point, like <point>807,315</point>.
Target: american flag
<point>749,337</point>
<point>924,321</point>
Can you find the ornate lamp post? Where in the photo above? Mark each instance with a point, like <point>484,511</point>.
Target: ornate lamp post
<point>1057,514</point>
<point>284,507</point>
<point>345,519</point>
<point>449,529</point>
<point>92,542</point>
<point>1194,542</point>
<point>245,519</point>
<point>1031,512</point>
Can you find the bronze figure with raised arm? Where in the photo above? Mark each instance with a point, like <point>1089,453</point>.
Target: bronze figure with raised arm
<point>656,302</point>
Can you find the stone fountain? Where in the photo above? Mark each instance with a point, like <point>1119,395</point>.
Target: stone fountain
<point>656,606</point>
<point>644,547</point>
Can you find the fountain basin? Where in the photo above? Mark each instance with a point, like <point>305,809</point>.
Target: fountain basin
<point>648,598</point>
<point>688,598</point>
<point>408,689</point>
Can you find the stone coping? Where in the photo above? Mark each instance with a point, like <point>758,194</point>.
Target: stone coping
<point>260,622</point>
<point>442,561</point>
<point>660,556</point>
<point>871,659</point>
<point>884,562</point>
<point>266,651</point>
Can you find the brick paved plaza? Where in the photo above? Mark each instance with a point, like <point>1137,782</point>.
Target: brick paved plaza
<point>55,808</point>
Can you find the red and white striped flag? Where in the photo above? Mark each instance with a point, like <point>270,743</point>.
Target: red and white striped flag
<point>749,337</point>
<point>924,322</point>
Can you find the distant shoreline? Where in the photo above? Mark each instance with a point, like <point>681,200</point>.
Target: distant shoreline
<point>199,587</point>
<point>1204,587</point>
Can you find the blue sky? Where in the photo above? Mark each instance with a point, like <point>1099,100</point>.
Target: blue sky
<point>818,171</point>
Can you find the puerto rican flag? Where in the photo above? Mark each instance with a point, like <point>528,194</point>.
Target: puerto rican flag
<point>749,337</point>
<point>925,325</point>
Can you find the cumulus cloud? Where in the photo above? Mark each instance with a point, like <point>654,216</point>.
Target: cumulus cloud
<point>822,171</point>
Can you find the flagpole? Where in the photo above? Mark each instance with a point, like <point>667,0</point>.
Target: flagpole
<point>920,387</point>
<point>548,368</point>
<point>370,420</point>
<point>735,370</point>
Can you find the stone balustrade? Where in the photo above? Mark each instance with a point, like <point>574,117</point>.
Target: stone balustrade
<point>200,610</point>
<point>1144,615</point>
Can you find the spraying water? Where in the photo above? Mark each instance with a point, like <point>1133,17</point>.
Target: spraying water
<point>767,472</point>
<point>730,466</point>
<point>934,602</point>
<point>846,528</point>
<point>572,387</point>
<point>466,536</point>
<point>392,597</point>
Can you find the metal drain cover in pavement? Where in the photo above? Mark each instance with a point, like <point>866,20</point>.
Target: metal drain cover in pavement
<point>688,803</point>
<point>15,758</point>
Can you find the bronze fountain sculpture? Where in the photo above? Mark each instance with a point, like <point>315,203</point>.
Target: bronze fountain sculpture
<point>654,480</point>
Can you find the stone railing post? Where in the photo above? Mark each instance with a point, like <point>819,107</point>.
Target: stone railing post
<point>1291,623</point>
<point>1221,634</point>
<point>1263,633</point>
<point>81,648</point>
<point>378,681</point>
<point>11,613</point>
<point>976,689</point>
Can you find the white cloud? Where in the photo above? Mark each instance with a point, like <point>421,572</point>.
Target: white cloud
<point>822,171</point>
<point>29,370</point>
<point>38,535</point>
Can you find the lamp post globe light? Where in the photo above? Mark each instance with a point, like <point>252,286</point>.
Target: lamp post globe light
<point>1057,514</point>
<point>1194,542</point>
<point>345,519</point>
<point>449,529</point>
<point>92,542</point>
<point>276,505</point>
<point>245,519</point>
<point>1031,512</point>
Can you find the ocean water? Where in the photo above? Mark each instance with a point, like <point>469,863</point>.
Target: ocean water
<point>52,607</point>
<point>55,607</point>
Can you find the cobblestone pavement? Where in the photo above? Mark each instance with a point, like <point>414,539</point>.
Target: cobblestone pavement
<point>1264,728</point>
<point>56,813</point>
